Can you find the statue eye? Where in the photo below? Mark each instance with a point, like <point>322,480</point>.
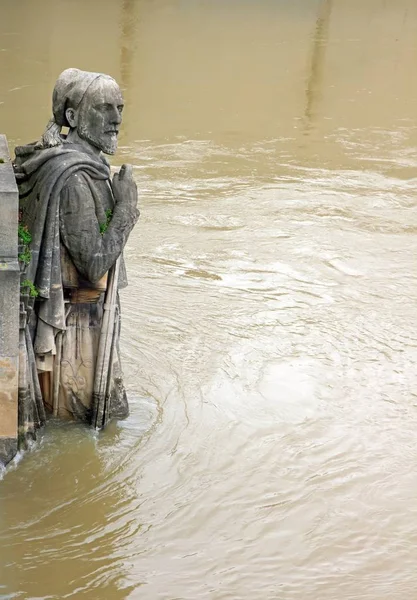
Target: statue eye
<point>101,108</point>
<point>120,108</point>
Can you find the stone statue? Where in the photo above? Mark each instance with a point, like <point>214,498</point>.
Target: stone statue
<point>78,219</point>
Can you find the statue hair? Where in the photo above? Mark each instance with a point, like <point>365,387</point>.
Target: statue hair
<point>51,136</point>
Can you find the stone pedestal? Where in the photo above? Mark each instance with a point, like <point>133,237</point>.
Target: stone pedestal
<point>9,307</point>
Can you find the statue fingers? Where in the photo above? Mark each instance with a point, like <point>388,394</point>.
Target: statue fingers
<point>126,171</point>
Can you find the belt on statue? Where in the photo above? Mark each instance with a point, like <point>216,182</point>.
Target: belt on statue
<point>82,295</point>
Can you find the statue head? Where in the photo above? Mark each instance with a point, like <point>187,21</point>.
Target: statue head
<point>91,105</point>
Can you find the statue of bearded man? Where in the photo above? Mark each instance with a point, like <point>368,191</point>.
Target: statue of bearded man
<point>79,219</point>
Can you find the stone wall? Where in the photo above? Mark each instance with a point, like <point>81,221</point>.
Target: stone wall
<point>9,307</point>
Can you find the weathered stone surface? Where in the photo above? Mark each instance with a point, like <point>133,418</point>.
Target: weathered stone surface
<point>8,449</point>
<point>8,204</point>
<point>9,307</point>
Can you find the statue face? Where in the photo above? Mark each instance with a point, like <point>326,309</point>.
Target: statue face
<point>100,115</point>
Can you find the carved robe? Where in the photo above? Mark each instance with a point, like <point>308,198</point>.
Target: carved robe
<point>64,195</point>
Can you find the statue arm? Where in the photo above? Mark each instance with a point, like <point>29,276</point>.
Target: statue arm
<point>92,253</point>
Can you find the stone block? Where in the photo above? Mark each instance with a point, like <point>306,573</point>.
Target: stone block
<point>9,204</point>
<point>9,306</point>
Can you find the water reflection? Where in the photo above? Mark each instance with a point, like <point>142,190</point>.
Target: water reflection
<point>128,29</point>
<point>128,43</point>
<point>318,55</point>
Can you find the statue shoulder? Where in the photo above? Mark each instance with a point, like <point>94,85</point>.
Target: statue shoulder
<point>79,178</point>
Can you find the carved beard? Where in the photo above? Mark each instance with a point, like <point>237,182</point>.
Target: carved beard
<point>107,144</point>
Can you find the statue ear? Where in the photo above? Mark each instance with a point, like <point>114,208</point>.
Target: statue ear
<point>72,117</point>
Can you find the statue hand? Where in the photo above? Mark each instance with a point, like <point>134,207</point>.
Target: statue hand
<point>124,187</point>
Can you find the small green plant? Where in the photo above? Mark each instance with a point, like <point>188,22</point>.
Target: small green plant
<point>25,256</point>
<point>25,239</point>
<point>1,161</point>
<point>24,234</point>
<point>33,291</point>
<point>105,226</point>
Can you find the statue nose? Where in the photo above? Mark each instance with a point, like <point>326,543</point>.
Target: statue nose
<point>116,116</point>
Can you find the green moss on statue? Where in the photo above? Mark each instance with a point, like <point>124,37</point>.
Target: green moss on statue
<point>33,291</point>
<point>105,226</point>
<point>24,234</point>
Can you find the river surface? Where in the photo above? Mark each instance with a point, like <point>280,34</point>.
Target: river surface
<point>270,327</point>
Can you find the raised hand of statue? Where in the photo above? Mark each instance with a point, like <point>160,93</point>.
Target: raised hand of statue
<point>124,187</point>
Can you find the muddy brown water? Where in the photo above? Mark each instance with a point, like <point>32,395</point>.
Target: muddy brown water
<point>270,327</point>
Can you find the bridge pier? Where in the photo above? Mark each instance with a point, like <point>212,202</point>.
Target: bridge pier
<point>9,307</point>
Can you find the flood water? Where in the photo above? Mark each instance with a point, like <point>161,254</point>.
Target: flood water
<point>270,327</point>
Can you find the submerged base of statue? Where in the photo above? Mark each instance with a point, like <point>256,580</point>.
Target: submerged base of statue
<point>63,384</point>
